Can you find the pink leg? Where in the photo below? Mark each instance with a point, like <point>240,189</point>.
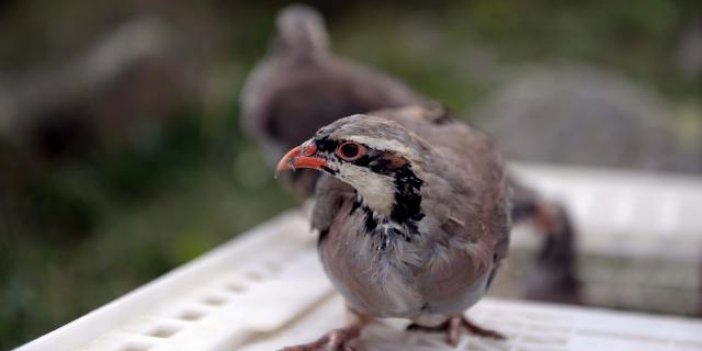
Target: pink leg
<point>335,340</point>
<point>453,327</point>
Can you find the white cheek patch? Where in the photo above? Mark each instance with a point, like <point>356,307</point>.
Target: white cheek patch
<point>377,190</point>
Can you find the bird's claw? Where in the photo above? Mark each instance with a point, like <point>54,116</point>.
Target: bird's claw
<point>480,331</point>
<point>335,340</point>
<point>453,326</point>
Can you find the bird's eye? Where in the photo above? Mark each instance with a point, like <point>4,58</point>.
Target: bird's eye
<point>350,151</point>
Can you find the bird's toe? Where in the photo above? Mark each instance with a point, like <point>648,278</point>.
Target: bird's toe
<point>335,340</point>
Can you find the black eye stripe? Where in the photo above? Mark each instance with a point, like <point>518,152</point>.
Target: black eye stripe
<point>373,159</point>
<point>326,144</point>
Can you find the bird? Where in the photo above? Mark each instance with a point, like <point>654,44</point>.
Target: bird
<point>300,76</point>
<point>413,218</point>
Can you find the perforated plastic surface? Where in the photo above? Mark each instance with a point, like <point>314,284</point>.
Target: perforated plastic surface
<point>528,327</point>
<point>266,290</point>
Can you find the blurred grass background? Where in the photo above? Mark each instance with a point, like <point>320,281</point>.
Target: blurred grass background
<point>105,189</point>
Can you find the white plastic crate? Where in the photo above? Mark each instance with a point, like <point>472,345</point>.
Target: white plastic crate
<point>639,242</point>
<point>266,290</point>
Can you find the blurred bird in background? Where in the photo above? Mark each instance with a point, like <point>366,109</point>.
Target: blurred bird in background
<point>301,86</point>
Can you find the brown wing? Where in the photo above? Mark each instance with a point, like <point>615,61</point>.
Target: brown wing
<point>471,209</point>
<point>554,275</point>
<point>475,160</point>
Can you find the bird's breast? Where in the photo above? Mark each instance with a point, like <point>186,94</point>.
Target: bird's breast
<point>375,274</point>
<point>400,277</point>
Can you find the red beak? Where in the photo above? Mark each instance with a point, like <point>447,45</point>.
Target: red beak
<point>300,157</point>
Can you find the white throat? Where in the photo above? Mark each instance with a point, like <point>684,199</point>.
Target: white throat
<point>377,190</point>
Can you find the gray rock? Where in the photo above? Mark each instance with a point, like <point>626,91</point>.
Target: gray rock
<point>583,115</point>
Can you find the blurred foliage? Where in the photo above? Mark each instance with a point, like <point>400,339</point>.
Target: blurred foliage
<point>115,211</point>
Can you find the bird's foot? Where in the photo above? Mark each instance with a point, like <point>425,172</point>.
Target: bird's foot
<point>335,340</point>
<point>453,326</point>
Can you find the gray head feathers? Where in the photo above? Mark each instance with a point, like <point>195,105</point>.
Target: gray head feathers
<point>375,132</point>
